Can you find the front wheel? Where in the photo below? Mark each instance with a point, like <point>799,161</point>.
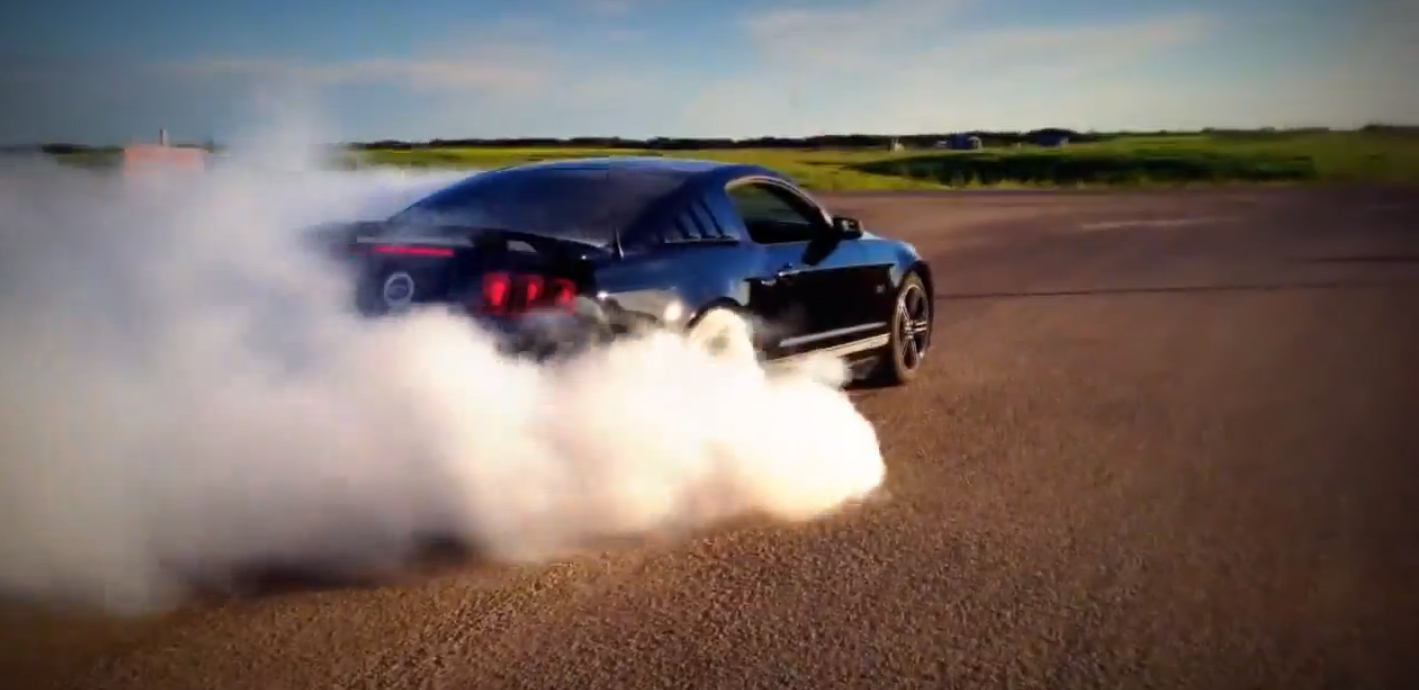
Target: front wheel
<point>911,321</point>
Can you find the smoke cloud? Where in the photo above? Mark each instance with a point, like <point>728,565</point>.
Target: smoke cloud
<point>187,392</point>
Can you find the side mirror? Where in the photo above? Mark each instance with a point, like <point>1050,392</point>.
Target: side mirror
<point>847,228</point>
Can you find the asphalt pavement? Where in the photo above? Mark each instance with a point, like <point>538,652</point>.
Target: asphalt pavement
<point>1164,440</point>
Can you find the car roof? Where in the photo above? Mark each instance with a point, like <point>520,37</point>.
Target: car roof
<point>636,185</point>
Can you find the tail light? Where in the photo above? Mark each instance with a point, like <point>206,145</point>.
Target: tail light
<point>497,291</point>
<point>400,250</point>
<point>506,294</point>
<point>563,293</point>
<point>357,247</point>
<point>529,290</point>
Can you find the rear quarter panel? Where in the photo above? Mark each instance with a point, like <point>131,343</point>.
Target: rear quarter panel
<point>695,276</point>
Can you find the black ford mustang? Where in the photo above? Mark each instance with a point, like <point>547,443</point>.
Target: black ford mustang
<point>683,243</point>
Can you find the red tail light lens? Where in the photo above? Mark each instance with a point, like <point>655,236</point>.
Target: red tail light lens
<point>497,288</point>
<point>563,293</point>
<point>506,294</point>
<point>402,250</point>
<point>530,290</point>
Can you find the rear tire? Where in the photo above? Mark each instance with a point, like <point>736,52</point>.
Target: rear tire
<point>724,333</point>
<point>910,321</point>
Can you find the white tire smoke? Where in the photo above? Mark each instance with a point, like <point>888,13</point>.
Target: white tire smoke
<point>187,392</point>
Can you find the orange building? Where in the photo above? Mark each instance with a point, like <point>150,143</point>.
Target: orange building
<point>149,158</point>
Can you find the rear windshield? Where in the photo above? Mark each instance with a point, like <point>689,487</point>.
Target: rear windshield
<point>588,205</point>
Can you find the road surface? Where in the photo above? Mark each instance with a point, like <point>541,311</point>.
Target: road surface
<point>1165,440</point>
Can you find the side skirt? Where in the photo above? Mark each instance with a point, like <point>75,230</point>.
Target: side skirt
<point>846,350</point>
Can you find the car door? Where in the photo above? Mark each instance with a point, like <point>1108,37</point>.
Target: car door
<point>806,271</point>
<point>843,290</point>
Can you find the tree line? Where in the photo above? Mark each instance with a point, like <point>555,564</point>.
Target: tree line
<point>826,141</point>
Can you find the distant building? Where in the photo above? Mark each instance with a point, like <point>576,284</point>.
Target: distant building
<point>960,142</point>
<point>1051,138</point>
<point>142,159</point>
<point>896,145</point>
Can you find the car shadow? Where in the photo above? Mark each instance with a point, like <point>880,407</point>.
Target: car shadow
<point>868,386</point>
<point>433,558</point>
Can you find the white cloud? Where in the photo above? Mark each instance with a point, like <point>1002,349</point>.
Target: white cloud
<point>613,7</point>
<point>878,66</point>
<point>505,56</point>
<point>848,39</point>
<point>429,75</point>
<point>892,36</point>
<point>1056,53</point>
<point>906,65</point>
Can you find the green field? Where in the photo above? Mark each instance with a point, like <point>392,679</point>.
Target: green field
<point>1126,161</point>
<point>1141,161</point>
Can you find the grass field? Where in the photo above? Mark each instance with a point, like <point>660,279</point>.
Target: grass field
<point>1196,159</point>
<point>1127,161</point>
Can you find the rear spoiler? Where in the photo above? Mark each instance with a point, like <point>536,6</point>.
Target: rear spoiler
<point>567,257</point>
<point>556,249</point>
<point>560,253</point>
<point>342,236</point>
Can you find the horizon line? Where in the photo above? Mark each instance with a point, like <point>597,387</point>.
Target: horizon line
<point>135,141</point>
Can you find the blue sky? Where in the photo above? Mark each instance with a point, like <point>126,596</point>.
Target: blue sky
<point>108,71</point>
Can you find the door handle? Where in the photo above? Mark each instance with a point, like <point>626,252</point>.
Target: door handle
<point>784,271</point>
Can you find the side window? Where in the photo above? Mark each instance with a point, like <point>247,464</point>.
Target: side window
<point>773,216</point>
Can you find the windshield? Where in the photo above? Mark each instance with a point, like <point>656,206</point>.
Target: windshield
<point>588,205</point>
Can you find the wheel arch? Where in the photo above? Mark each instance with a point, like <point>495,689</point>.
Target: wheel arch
<point>711,305</point>
<point>923,270</point>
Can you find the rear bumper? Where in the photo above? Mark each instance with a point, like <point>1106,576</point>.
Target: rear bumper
<point>549,335</point>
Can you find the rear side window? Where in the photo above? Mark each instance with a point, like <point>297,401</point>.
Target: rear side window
<point>696,223</point>
<point>584,204</point>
